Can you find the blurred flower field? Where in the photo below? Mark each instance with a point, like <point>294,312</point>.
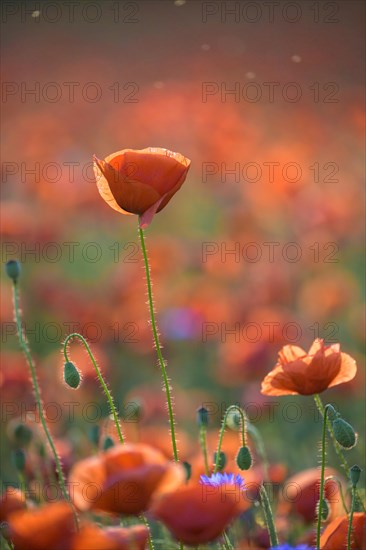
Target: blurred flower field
<point>259,252</point>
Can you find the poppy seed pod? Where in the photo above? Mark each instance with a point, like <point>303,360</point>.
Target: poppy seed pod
<point>12,268</point>
<point>354,474</point>
<point>344,433</point>
<point>108,443</point>
<point>244,458</point>
<point>188,468</point>
<point>325,509</point>
<point>71,375</point>
<point>202,416</point>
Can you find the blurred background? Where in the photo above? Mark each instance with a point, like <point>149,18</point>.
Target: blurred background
<point>262,246</point>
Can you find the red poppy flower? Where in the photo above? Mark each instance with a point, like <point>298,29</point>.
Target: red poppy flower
<point>92,537</point>
<point>298,372</point>
<point>334,536</point>
<point>199,513</point>
<point>300,494</point>
<point>12,500</point>
<point>142,181</point>
<point>51,526</point>
<point>123,479</point>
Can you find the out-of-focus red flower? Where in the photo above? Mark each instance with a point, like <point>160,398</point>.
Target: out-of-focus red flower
<point>51,526</point>
<point>197,514</point>
<point>301,494</point>
<point>123,479</point>
<point>12,500</point>
<point>112,538</point>
<point>334,536</point>
<point>301,373</point>
<point>142,181</point>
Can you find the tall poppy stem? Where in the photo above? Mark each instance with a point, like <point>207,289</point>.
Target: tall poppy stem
<point>268,516</point>
<point>337,449</point>
<point>100,377</point>
<point>222,431</point>
<point>157,345</point>
<point>37,393</point>
<point>349,531</point>
<point>322,471</point>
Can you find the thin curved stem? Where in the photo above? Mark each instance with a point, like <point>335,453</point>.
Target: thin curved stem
<point>100,377</point>
<point>337,449</point>
<point>252,430</point>
<point>158,347</point>
<point>37,393</point>
<point>322,471</point>
<point>340,489</point>
<point>222,431</point>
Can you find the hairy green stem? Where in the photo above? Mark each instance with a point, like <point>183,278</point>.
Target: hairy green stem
<point>100,377</point>
<point>322,472</point>
<point>158,347</point>
<point>222,431</point>
<point>203,444</point>
<point>349,532</point>
<point>338,450</point>
<point>37,393</point>
<point>268,516</point>
<point>146,523</point>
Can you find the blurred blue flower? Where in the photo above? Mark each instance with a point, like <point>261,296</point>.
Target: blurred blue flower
<point>287,546</point>
<point>222,479</point>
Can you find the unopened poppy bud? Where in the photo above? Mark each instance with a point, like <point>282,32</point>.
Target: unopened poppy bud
<point>188,469</point>
<point>244,458</point>
<point>354,474</point>
<point>344,433</point>
<point>12,268</point>
<point>18,458</point>
<point>137,411</point>
<point>108,443</point>
<point>94,433</point>
<point>71,375</point>
<point>325,509</point>
<point>220,461</point>
<point>23,434</point>
<point>332,413</point>
<point>202,416</point>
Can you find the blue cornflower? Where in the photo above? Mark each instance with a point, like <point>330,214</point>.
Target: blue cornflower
<point>215,480</point>
<point>287,546</point>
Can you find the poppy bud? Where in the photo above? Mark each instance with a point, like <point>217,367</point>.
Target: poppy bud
<point>18,458</point>
<point>137,411</point>
<point>325,509</point>
<point>344,433</point>
<point>23,434</point>
<point>12,268</point>
<point>244,458</point>
<point>332,413</point>
<point>108,443</point>
<point>202,416</point>
<point>354,474</point>
<point>94,433</point>
<point>188,469</point>
<point>71,375</point>
<point>221,460</point>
